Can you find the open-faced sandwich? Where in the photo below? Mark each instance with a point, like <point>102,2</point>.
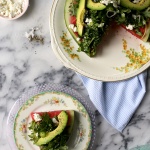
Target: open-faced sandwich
<point>88,20</point>
<point>51,130</point>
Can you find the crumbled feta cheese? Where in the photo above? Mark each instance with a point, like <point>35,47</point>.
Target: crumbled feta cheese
<point>101,25</point>
<point>71,26</point>
<point>78,39</point>
<point>136,1</point>
<point>105,2</point>
<point>88,21</point>
<point>31,33</point>
<point>130,27</point>
<point>134,16</point>
<point>33,36</point>
<point>37,117</point>
<point>75,29</point>
<point>55,121</point>
<point>114,2</point>
<point>11,8</point>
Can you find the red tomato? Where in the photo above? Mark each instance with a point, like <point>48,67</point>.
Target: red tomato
<point>142,30</point>
<point>53,114</point>
<point>76,33</point>
<point>133,32</point>
<point>73,20</point>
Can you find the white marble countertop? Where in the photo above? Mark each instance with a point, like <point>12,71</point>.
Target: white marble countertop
<point>24,64</point>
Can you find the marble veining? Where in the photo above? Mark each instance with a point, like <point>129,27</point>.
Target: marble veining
<point>25,64</point>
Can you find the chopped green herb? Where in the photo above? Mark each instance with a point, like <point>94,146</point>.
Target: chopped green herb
<point>41,128</point>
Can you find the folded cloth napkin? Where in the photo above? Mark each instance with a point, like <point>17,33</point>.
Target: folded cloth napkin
<point>116,101</point>
<point>143,147</point>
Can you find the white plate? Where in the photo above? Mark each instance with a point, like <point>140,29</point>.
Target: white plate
<point>109,64</point>
<point>49,98</point>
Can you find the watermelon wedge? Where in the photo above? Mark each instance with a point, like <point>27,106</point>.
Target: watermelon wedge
<point>54,114</point>
<point>70,20</point>
<point>145,32</point>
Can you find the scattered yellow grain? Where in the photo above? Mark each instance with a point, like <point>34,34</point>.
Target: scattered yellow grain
<point>124,44</point>
<point>66,43</point>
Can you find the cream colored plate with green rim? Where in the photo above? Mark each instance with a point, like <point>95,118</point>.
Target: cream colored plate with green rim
<point>49,97</point>
<point>50,101</point>
<point>111,63</point>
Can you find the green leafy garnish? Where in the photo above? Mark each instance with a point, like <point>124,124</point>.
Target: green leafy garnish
<point>73,7</point>
<point>93,32</point>
<point>41,129</point>
<point>147,12</point>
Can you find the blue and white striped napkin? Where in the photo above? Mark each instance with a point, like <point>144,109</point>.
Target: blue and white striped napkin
<point>116,101</point>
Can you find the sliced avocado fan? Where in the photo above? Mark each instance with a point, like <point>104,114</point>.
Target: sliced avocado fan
<point>142,4</point>
<point>95,6</point>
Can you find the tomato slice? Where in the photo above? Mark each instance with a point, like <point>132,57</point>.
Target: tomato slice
<point>73,20</point>
<point>51,114</point>
<point>133,32</point>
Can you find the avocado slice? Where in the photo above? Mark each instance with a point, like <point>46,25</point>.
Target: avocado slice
<point>95,6</point>
<point>62,118</point>
<point>80,17</point>
<point>135,6</point>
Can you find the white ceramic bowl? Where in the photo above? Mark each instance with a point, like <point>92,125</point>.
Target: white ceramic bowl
<point>25,7</point>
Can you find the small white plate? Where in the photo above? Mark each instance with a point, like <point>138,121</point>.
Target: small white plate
<point>48,100</point>
<point>110,63</point>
